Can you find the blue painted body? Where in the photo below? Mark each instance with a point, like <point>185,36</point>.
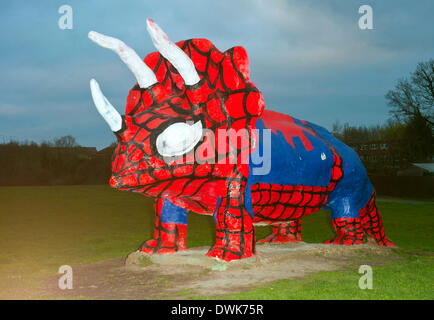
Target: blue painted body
<point>354,190</point>
<point>297,165</point>
<point>171,213</point>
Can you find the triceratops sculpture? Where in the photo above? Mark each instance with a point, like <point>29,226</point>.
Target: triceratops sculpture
<point>193,131</point>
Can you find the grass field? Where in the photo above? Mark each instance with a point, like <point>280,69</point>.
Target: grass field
<point>42,228</point>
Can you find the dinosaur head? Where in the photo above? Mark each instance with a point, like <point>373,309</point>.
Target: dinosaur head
<point>188,118</point>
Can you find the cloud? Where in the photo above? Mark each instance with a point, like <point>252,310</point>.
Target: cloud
<point>309,58</point>
<point>314,36</point>
<point>11,110</point>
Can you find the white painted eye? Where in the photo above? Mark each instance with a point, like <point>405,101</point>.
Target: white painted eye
<point>179,138</point>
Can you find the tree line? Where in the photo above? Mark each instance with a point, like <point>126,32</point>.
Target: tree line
<point>58,162</point>
<point>409,130</point>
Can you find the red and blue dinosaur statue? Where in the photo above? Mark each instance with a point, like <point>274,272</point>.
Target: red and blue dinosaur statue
<point>195,136</point>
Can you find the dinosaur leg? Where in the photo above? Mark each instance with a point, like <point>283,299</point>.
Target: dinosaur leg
<point>349,231</point>
<point>235,234</point>
<point>170,233</point>
<point>372,223</point>
<point>285,232</point>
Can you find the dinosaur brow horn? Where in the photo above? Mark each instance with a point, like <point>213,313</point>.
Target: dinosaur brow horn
<point>105,108</point>
<point>173,53</point>
<point>144,75</point>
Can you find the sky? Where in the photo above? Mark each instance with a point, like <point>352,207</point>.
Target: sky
<point>309,58</point>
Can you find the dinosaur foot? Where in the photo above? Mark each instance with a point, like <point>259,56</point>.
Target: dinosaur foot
<point>229,253</point>
<point>273,238</point>
<point>347,241</point>
<point>154,246</point>
<point>385,242</point>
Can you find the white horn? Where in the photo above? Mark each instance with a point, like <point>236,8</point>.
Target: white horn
<point>108,112</point>
<point>173,53</point>
<point>144,75</point>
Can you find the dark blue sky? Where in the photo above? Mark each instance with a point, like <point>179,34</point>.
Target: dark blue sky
<point>309,58</point>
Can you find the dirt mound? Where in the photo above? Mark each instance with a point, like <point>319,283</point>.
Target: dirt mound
<point>175,276</point>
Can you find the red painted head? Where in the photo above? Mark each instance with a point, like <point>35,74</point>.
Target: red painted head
<point>187,120</point>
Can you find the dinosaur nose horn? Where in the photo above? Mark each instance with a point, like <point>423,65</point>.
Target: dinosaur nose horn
<point>144,75</point>
<point>105,108</point>
<point>176,56</point>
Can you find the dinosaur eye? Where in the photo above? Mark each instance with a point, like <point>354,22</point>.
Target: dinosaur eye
<point>179,138</point>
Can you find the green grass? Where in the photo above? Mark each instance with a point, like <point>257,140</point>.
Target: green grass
<point>412,279</point>
<point>42,228</point>
<point>411,226</point>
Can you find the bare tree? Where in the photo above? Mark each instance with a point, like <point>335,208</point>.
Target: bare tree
<point>66,142</point>
<point>414,97</point>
